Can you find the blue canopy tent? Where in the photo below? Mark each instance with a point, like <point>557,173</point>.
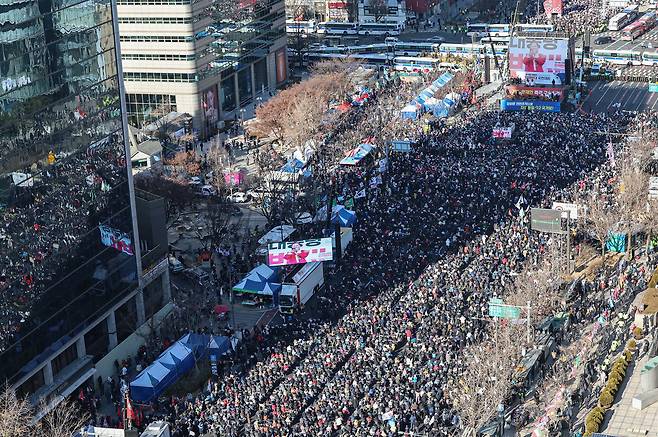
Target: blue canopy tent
<point>409,112</point>
<point>248,285</point>
<point>151,382</point>
<point>195,342</point>
<point>258,279</point>
<point>344,217</point>
<point>263,272</point>
<point>356,155</point>
<point>441,110</point>
<point>218,345</point>
<point>292,166</point>
<point>178,355</point>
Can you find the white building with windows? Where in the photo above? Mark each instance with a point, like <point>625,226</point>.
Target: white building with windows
<point>208,59</point>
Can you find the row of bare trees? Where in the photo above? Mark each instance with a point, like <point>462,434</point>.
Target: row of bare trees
<point>620,205</point>
<point>18,417</point>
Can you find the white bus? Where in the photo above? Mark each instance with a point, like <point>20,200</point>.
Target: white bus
<point>534,28</point>
<point>617,57</point>
<point>462,50</point>
<point>367,59</point>
<point>410,63</point>
<point>415,48</point>
<point>477,30</point>
<point>295,26</point>
<point>624,18</point>
<point>499,29</point>
<point>337,28</point>
<point>650,59</point>
<point>385,29</point>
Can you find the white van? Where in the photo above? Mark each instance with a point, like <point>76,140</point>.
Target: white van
<point>207,190</point>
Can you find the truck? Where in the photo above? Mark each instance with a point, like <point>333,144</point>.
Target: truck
<point>300,287</point>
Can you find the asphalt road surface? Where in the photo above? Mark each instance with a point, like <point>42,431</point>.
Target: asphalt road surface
<point>628,96</point>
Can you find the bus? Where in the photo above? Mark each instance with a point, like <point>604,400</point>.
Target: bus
<point>495,40</point>
<point>480,30</point>
<point>410,63</point>
<point>369,59</point>
<point>632,31</point>
<point>623,18</point>
<point>649,20</point>
<point>477,29</point>
<point>385,29</point>
<point>499,30</point>
<point>650,58</point>
<point>415,48</point>
<point>617,57</point>
<point>534,28</point>
<point>499,49</point>
<point>337,28</point>
<point>462,50</point>
<point>295,26</point>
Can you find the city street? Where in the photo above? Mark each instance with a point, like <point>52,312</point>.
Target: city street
<point>617,95</point>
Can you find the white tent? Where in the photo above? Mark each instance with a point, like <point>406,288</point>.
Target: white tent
<point>277,234</point>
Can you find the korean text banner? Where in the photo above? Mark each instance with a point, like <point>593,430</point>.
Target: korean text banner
<point>114,238</point>
<point>502,132</point>
<point>299,252</point>
<point>538,61</point>
<point>529,105</point>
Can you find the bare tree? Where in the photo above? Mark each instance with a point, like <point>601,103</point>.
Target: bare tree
<point>601,218</point>
<point>15,414</point>
<point>62,420</point>
<point>632,200</point>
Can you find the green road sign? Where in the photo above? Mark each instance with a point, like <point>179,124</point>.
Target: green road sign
<point>498,309</point>
<point>546,220</point>
<point>653,87</point>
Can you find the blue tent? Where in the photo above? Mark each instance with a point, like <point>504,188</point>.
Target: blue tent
<point>218,345</point>
<point>248,285</point>
<point>292,166</point>
<point>441,110</point>
<point>177,357</point>
<point>357,154</point>
<point>196,342</point>
<point>151,382</point>
<point>263,272</point>
<point>344,217</point>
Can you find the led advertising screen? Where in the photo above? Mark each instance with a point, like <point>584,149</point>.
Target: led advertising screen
<point>529,105</point>
<point>299,252</point>
<point>538,61</point>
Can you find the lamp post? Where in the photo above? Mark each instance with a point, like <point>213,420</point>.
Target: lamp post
<point>501,419</point>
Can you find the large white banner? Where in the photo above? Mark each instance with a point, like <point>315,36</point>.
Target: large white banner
<point>564,207</point>
<point>299,252</point>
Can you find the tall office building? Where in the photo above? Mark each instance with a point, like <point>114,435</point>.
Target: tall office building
<point>207,58</point>
<point>75,278</point>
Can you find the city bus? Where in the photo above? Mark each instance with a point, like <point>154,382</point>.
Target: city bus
<point>632,31</point>
<point>649,20</point>
<point>295,26</point>
<point>415,48</point>
<point>650,58</point>
<point>534,28</point>
<point>617,57</point>
<point>385,29</point>
<point>337,28</point>
<point>368,59</point>
<point>623,18</point>
<point>495,40</point>
<point>410,63</point>
<point>477,30</point>
<point>499,30</point>
<point>462,50</point>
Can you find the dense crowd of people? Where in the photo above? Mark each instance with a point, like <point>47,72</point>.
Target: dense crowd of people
<point>441,235</point>
<point>55,201</point>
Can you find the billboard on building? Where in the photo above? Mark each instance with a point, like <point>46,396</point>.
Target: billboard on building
<point>518,92</point>
<point>111,237</point>
<point>529,105</point>
<point>281,66</point>
<point>538,61</point>
<point>210,106</point>
<point>299,252</point>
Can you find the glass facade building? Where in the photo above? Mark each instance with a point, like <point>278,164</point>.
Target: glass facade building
<point>63,178</point>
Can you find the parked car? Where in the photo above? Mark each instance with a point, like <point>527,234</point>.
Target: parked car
<point>603,40</point>
<point>195,181</point>
<point>207,191</point>
<point>238,197</point>
<point>197,275</point>
<point>175,266</point>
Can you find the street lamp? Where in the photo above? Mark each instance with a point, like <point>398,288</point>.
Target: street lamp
<point>501,419</point>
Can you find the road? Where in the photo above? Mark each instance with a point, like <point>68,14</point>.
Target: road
<point>629,96</point>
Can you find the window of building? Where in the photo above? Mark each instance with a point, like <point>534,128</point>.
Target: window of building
<point>153,296</point>
<point>260,75</point>
<point>159,77</point>
<point>153,2</point>
<point>126,319</point>
<point>157,38</point>
<point>143,108</point>
<point>228,94</point>
<point>62,360</point>
<point>155,57</point>
<point>97,341</point>
<point>244,85</point>
<point>34,383</point>
<point>155,20</point>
